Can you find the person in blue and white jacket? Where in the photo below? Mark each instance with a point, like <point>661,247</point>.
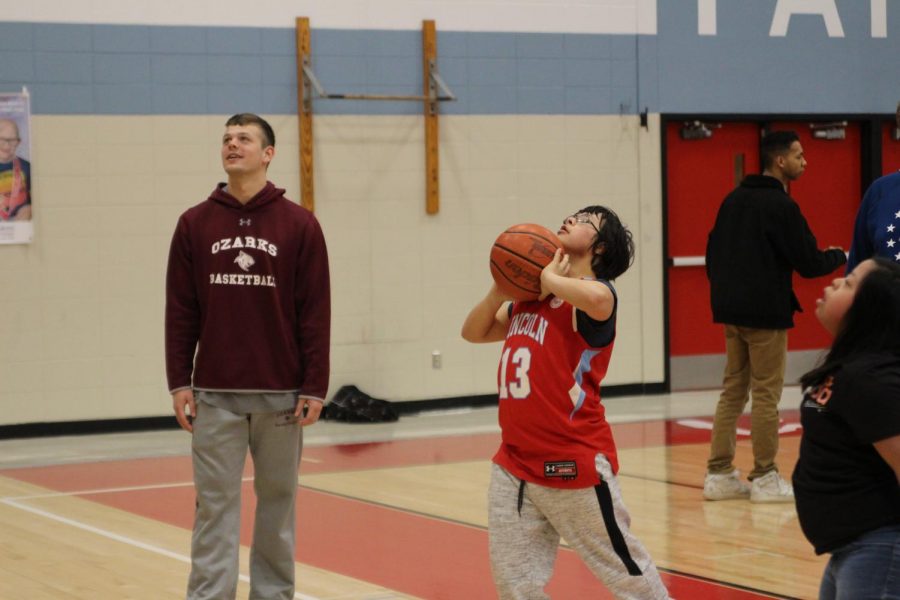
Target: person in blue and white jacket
<point>877,228</point>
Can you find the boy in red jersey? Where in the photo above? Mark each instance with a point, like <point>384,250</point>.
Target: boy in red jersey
<point>248,317</point>
<point>554,474</point>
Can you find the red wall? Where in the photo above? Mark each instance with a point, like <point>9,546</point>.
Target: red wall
<point>890,149</point>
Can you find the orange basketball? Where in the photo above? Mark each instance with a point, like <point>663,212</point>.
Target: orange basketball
<point>518,257</point>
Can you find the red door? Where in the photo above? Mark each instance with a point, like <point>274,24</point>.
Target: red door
<point>699,174</point>
<point>890,149</point>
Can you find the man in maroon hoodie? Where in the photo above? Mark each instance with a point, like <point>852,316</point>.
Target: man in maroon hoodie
<point>248,321</point>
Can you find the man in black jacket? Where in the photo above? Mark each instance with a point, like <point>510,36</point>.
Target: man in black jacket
<point>759,239</point>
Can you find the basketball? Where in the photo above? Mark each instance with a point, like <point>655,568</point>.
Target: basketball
<point>518,256</point>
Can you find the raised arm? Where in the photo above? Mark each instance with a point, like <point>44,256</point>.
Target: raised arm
<point>488,321</point>
<point>596,300</point>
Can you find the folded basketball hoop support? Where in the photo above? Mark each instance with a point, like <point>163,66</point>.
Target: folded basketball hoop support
<point>308,87</point>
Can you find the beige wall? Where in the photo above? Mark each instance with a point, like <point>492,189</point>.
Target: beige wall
<point>81,337</point>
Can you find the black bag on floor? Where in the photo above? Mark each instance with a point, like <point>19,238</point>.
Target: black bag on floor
<point>354,406</point>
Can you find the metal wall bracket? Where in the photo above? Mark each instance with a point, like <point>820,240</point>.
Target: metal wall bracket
<point>435,90</point>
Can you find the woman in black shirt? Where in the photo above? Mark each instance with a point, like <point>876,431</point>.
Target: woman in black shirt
<point>846,479</point>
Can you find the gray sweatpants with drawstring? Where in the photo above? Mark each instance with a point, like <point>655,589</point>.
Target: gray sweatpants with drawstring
<point>221,440</point>
<point>594,522</point>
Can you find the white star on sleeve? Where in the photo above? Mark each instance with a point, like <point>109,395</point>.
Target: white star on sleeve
<point>890,228</point>
<point>897,256</point>
<point>890,243</point>
<point>897,215</point>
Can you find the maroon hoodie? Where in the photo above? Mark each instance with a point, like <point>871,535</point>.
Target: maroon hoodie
<point>248,289</point>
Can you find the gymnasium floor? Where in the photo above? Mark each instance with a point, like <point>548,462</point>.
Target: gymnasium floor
<point>388,511</point>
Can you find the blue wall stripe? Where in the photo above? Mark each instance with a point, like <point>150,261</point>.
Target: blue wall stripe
<point>498,45</point>
<point>63,38</point>
<point>177,40</point>
<point>279,42</point>
<point>234,40</point>
<point>178,99</point>
<point>145,69</point>
<point>17,65</point>
<point>112,38</point>
<point>539,45</point>
<point>588,46</point>
<point>16,36</point>
<point>63,67</point>
<point>125,98</point>
<point>71,99</point>
<point>581,72</point>
<point>122,68</point>
<point>491,71</point>
<point>238,70</point>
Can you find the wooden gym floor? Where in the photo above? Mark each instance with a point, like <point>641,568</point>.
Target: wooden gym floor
<point>389,511</point>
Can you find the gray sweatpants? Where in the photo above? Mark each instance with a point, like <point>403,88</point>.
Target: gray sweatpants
<point>593,521</point>
<point>220,442</point>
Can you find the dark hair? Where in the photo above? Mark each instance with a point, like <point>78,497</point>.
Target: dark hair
<point>871,324</point>
<point>614,241</point>
<point>251,119</point>
<point>775,144</point>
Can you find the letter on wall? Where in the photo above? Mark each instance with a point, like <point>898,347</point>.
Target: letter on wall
<point>785,9</point>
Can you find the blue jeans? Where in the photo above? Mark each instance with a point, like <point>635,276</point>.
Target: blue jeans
<point>868,568</point>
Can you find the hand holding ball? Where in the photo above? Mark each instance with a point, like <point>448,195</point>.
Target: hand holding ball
<point>518,256</point>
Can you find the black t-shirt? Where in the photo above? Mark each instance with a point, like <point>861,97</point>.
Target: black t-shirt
<point>843,487</point>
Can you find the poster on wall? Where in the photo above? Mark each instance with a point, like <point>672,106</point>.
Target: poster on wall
<point>16,226</point>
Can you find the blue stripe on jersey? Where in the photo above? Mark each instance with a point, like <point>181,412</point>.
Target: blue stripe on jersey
<point>584,366</point>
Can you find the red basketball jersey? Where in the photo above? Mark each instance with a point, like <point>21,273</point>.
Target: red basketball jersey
<point>553,423</point>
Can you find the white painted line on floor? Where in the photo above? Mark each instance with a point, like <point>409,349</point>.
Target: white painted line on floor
<point>708,425</point>
<point>134,488</point>
<point>349,438</point>
<point>698,424</point>
<point>120,538</point>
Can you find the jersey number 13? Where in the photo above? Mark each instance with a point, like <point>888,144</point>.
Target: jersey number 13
<point>519,386</point>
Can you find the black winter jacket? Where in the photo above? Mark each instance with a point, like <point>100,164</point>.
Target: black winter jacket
<point>759,239</point>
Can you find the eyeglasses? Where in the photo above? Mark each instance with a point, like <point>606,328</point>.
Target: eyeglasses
<point>9,141</point>
<point>581,219</point>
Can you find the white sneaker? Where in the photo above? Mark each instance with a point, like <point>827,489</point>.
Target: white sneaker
<point>771,488</point>
<point>725,486</point>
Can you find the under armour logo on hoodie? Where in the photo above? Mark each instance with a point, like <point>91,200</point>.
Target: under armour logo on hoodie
<point>245,221</point>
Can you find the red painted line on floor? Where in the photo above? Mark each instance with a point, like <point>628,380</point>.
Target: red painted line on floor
<point>407,552</point>
<point>396,453</point>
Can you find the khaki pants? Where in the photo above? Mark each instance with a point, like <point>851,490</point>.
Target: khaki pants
<point>755,365</point>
